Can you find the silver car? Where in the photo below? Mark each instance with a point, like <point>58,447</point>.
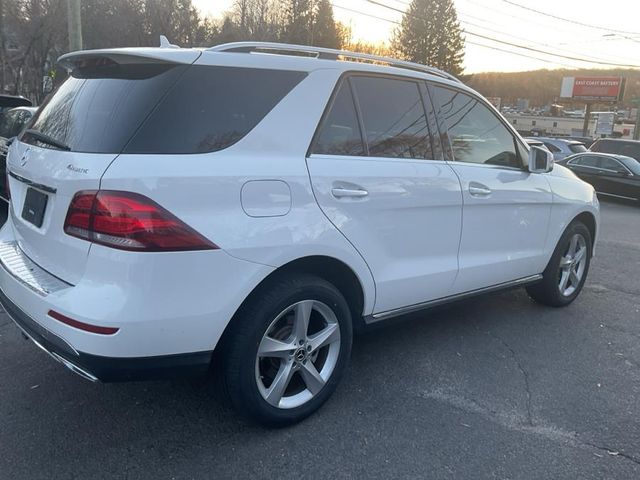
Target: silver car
<point>561,147</point>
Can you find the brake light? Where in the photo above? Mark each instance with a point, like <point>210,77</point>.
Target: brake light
<point>129,221</point>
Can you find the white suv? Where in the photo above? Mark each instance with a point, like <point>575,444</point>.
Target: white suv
<point>248,207</point>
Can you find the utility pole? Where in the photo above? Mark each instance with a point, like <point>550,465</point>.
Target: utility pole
<point>75,25</point>
<point>636,130</point>
<point>587,119</point>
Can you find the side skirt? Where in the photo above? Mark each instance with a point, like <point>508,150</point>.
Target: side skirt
<point>381,316</point>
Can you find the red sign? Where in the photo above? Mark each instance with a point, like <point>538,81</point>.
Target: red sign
<point>606,89</point>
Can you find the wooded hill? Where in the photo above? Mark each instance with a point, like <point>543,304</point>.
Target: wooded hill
<point>542,87</point>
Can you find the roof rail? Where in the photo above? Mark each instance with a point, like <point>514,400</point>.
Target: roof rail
<point>326,54</point>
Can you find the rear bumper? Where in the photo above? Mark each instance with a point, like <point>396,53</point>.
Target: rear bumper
<point>106,369</point>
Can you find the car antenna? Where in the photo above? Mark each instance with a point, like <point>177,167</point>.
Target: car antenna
<point>164,43</point>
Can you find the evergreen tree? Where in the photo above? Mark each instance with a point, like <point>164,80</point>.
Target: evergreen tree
<point>298,22</point>
<point>430,33</point>
<point>325,30</point>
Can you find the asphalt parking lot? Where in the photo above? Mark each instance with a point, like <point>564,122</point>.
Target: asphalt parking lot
<point>497,387</point>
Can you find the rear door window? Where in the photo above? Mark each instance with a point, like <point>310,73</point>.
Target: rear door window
<point>589,161</point>
<point>393,117</point>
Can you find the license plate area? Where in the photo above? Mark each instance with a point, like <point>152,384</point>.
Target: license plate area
<point>35,205</point>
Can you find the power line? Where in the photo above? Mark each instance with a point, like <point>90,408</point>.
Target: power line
<point>531,49</point>
<point>467,22</point>
<point>470,42</point>
<point>568,20</point>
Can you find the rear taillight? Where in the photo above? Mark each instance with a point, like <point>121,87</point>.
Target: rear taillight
<point>129,221</point>
<point>7,189</point>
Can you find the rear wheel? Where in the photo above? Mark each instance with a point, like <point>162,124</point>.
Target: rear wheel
<point>287,350</point>
<point>567,270</point>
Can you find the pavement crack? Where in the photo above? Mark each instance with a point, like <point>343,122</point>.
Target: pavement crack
<point>515,423</point>
<point>523,371</point>
<point>611,451</point>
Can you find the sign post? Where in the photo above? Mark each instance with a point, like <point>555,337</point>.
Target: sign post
<point>636,130</point>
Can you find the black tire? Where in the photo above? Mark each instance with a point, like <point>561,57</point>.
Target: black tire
<point>547,292</point>
<point>240,347</point>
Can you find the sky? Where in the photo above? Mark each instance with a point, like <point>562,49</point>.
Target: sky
<point>610,34</point>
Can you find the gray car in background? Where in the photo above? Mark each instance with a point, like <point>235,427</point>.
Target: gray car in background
<point>561,147</point>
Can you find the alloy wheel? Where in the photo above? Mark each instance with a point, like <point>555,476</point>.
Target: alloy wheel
<point>573,265</point>
<point>297,354</point>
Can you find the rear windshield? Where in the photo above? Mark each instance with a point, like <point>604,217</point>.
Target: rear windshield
<point>628,149</point>
<point>577,147</point>
<point>158,108</point>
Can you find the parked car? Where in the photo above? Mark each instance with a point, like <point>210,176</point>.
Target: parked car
<point>610,174</point>
<point>627,148</point>
<point>561,147</point>
<point>12,122</point>
<point>586,141</point>
<point>247,212</point>
<point>532,142</point>
<point>12,101</point>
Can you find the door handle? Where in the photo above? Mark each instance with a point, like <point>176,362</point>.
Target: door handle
<point>349,192</point>
<point>479,190</point>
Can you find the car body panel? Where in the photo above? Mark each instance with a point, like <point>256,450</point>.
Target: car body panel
<point>504,232</point>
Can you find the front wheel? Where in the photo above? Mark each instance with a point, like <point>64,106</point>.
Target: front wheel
<point>567,270</point>
<point>287,349</point>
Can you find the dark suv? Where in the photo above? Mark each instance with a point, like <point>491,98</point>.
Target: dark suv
<point>627,148</point>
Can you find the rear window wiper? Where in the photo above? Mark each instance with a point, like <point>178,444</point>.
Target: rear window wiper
<point>41,137</point>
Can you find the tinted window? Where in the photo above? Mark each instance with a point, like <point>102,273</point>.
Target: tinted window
<point>188,109</point>
<point>100,106</point>
<point>628,149</point>
<point>210,108</point>
<point>475,132</point>
<point>611,164</point>
<point>577,147</point>
<point>393,116</point>
<point>7,121</point>
<point>340,131</point>
<point>588,161</point>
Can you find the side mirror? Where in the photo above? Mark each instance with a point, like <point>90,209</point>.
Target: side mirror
<point>10,141</point>
<point>540,160</point>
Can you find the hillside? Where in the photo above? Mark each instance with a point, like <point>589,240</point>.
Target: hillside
<point>541,87</point>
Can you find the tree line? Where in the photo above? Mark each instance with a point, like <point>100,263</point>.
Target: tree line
<point>33,33</point>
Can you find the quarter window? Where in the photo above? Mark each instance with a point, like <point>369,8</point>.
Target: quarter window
<point>393,117</point>
<point>340,132</point>
<point>477,135</point>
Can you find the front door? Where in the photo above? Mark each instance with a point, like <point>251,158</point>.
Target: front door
<point>506,208</point>
<point>377,173</point>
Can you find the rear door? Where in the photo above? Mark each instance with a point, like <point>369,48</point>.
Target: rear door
<point>506,208</point>
<point>378,174</point>
<point>70,143</point>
